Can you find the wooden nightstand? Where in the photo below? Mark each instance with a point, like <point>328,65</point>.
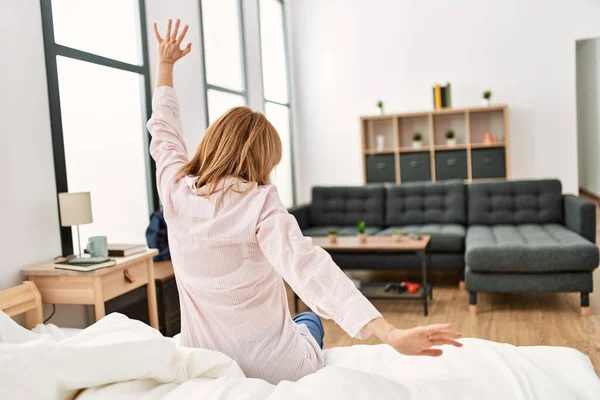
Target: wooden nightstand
<point>60,286</point>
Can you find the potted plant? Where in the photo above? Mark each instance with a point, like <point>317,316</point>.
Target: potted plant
<point>397,235</point>
<point>450,139</point>
<point>380,106</point>
<point>332,236</point>
<point>485,100</point>
<point>416,143</point>
<point>362,236</point>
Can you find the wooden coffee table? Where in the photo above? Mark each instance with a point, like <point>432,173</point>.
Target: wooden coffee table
<point>384,244</point>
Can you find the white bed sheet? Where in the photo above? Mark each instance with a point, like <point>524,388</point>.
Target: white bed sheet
<point>118,358</point>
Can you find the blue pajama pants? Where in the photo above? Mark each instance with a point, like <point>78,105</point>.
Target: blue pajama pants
<point>313,323</point>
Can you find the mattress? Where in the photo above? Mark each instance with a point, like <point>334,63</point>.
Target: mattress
<point>118,358</point>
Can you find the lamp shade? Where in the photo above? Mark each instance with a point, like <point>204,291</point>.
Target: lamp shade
<point>75,208</point>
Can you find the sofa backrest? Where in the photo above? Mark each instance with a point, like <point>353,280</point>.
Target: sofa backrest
<point>347,205</point>
<point>515,202</point>
<point>426,203</point>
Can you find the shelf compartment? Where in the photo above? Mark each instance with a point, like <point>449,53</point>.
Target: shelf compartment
<point>451,165</point>
<point>488,163</point>
<point>415,166</point>
<point>381,168</point>
<point>484,121</point>
<point>451,121</point>
<point>409,125</point>
<point>384,128</point>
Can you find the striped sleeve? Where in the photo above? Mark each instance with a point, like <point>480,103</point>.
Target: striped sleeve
<point>310,271</point>
<point>167,146</point>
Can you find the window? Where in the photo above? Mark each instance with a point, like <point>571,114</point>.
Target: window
<point>223,56</point>
<point>276,93</point>
<point>98,87</point>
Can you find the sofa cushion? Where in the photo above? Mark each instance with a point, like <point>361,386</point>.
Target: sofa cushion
<point>445,238</point>
<point>515,202</point>
<point>528,248</point>
<point>346,206</point>
<point>426,203</point>
<point>314,231</point>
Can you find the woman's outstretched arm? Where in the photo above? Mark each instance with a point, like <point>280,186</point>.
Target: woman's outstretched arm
<point>321,284</point>
<point>167,146</point>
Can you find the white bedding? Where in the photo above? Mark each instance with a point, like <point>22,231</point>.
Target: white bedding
<point>118,358</point>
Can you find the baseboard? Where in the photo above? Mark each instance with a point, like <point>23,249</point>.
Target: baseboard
<point>591,195</point>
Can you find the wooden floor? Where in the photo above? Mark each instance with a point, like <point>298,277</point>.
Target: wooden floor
<point>519,319</point>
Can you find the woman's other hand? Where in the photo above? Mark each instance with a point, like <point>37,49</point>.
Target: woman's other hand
<point>169,47</point>
<point>418,341</point>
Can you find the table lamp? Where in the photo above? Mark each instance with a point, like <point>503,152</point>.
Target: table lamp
<point>75,209</point>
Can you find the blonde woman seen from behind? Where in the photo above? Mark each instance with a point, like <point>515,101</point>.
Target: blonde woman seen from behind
<point>233,244</point>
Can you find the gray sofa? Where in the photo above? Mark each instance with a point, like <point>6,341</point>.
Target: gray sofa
<point>526,236</point>
<point>437,209</point>
<point>508,236</point>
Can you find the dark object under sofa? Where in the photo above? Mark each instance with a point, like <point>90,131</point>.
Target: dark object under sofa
<point>526,236</point>
<point>437,209</point>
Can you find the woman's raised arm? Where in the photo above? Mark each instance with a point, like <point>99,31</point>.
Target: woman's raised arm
<point>167,146</point>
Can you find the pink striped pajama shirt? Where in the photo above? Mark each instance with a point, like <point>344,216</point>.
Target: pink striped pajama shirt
<point>230,252</point>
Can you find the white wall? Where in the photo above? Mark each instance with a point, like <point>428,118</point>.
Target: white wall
<point>29,232</point>
<point>350,53</point>
<point>588,114</point>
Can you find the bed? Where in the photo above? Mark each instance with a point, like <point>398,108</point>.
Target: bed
<point>119,358</point>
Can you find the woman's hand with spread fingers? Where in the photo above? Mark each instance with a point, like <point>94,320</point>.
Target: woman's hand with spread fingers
<point>169,47</point>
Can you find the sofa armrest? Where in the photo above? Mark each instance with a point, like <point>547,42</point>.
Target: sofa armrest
<point>302,215</point>
<point>580,216</point>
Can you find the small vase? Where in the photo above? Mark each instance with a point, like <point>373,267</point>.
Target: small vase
<point>485,102</point>
<point>332,238</point>
<point>380,110</point>
<point>416,144</point>
<point>379,142</point>
<point>397,237</point>
<point>451,142</point>
<point>362,238</point>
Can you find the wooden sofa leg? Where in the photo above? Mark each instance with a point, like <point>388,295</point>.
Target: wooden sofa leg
<point>473,302</point>
<point>585,304</point>
<point>461,279</point>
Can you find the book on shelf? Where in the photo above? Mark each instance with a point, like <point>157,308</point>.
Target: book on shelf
<point>84,267</point>
<point>125,250</point>
<point>442,96</point>
<point>437,96</point>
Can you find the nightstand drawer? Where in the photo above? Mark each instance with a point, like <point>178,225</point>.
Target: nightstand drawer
<point>123,280</point>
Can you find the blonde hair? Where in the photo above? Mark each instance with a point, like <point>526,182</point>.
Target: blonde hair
<point>242,143</point>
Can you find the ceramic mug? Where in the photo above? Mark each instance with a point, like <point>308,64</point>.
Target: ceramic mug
<point>97,246</point>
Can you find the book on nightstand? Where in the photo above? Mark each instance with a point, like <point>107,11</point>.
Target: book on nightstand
<point>84,266</point>
<point>125,250</point>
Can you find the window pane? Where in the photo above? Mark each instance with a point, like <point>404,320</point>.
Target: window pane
<point>104,147</point>
<point>273,51</point>
<point>108,28</point>
<point>279,116</point>
<point>221,27</point>
<point>220,102</point>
